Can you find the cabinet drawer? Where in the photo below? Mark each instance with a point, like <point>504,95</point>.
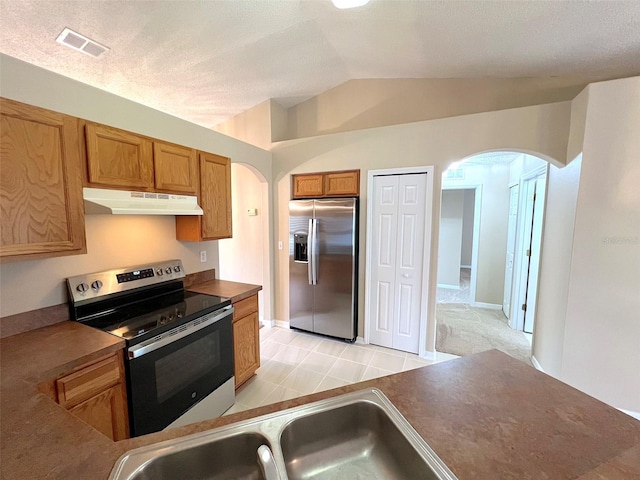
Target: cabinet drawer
<point>89,381</point>
<point>245,307</point>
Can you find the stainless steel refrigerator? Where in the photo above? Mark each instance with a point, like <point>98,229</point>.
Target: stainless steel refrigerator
<point>323,266</point>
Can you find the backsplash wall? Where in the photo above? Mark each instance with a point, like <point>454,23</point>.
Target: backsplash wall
<point>112,242</point>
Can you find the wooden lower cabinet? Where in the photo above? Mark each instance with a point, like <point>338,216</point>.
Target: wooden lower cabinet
<point>246,339</point>
<point>97,394</point>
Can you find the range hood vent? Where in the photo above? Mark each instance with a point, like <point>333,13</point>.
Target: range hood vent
<point>118,202</point>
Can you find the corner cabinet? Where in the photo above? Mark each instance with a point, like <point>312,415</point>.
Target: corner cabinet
<point>97,394</point>
<point>40,183</point>
<point>215,200</point>
<point>326,184</point>
<point>246,339</point>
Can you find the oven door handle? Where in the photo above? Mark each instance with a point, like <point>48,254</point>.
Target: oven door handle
<point>177,333</point>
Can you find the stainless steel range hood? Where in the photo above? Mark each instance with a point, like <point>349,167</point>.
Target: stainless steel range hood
<point>119,202</point>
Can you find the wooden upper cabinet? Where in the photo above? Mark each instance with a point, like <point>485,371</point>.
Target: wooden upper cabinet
<point>307,185</point>
<point>40,183</point>
<point>215,200</point>
<point>342,184</point>
<point>175,168</point>
<point>118,158</point>
<point>326,184</point>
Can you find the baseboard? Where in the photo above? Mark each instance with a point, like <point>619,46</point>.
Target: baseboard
<point>449,287</point>
<point>360,340</point>
<point>536,364</point>
<point>268,323</point>
<point>431,356</point>
<point>280,323</point>
<point>466,266</point>
<point>631,413</point>
<point>488,306</point>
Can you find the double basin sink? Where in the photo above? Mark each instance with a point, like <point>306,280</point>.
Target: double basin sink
<point>359,435</point>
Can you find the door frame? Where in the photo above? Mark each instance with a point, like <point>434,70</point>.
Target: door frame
<point>475,244</point>
<point>515,321</point>
<point>425,325</point>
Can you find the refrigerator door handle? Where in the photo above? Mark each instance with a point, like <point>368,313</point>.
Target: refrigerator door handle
<point>314,252</point>
<point>310,252</point>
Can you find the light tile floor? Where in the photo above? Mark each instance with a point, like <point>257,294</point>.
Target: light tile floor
<point>294,364</point>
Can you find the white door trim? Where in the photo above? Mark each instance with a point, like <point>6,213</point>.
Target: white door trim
<point>515,321</point>
<point>475,243</point>
<point>425,325</point>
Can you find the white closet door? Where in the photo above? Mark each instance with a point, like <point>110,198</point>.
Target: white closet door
<point>385,231</point>
<point>398,245</point>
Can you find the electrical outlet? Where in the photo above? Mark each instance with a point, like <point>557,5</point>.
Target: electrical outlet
<point>203,256</point>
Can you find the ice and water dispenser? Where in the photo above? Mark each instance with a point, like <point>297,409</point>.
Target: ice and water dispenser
<point>300,248</point>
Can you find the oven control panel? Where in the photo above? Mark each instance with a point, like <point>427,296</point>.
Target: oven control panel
<point>99,284</point>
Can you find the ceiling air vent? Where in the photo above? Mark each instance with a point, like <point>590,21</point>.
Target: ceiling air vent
<point>81,43</point>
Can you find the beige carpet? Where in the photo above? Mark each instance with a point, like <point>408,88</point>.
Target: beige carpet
<point>464,330</point>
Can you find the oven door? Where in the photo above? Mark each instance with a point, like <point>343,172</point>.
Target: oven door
<point>170,373</point>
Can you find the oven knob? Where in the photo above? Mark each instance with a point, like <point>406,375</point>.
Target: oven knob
<point>168,270</point>
<point>82,287</point>
<point>176,268</point>
<point>160,272</point>
<point>97,285</point>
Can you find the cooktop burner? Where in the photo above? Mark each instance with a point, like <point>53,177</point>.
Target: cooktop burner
<point>131,321</point>
<point>139,302</point>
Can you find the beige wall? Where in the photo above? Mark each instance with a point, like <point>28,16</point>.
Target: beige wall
<point>542,129</point>
<point>112,242</point>
<point>450,239</point>
<point>492,239</point>
<point>467,228</point>
<point>555,265</point>
<point>245,257</point>
<point>252,126</point>
<point>601,354</point>
<point>360,104</point>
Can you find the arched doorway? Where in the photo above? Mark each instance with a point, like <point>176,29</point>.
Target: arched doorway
<point>245,257</point>
<point>487,264</point>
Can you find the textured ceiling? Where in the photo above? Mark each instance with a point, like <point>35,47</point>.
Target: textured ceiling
<point>206,61</point>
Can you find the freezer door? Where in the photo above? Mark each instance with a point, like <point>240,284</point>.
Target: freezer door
<point>300,280</point>
<point>334,254</point>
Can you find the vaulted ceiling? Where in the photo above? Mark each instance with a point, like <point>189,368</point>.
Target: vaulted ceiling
<point>208,60</point>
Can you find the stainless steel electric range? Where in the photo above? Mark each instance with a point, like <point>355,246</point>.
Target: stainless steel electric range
<point>179,353</point>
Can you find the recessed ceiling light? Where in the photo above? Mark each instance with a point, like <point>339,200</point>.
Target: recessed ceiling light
<point>81,43</point>
<point>342,4</point>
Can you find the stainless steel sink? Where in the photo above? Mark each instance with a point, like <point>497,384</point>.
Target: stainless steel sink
<point>357,435</point>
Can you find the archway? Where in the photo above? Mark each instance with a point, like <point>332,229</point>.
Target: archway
<point>245,257</point>
<point>481,257</point>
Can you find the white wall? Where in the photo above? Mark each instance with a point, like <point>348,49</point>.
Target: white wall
<point>601,353</point>
<point>541,129</point>
<point>467,228</point>
<point>450,240</point>
<point>244,257</point>
<point>111,242</point>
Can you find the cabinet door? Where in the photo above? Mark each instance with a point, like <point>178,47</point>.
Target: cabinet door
<point>118,158</point>
<point>40,183</point>
<point>345,184</point>
<point>106,412</point>
<point>215,196</point>
<point>246,345</point>
<point>307,185</point>
<point>175,168</point>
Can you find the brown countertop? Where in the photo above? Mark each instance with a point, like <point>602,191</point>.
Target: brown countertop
<point>233,290</point>
<point>487,416</point>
